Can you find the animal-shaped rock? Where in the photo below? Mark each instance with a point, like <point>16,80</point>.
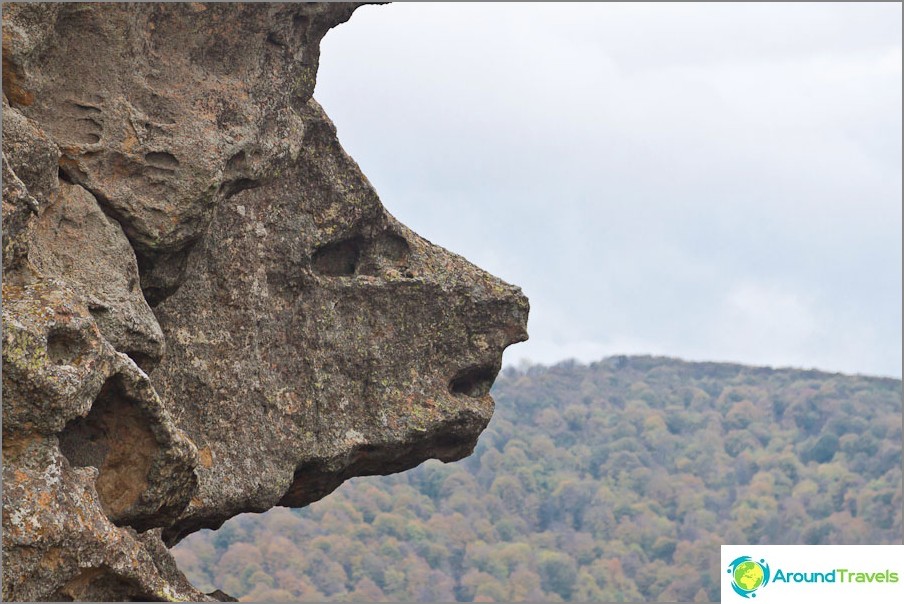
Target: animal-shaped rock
<point>206,308</point>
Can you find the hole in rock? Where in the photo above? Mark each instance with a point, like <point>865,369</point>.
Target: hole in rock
<point>300,22</point>
<point>238,185</point>
<point>64,345</point>
<point>83,130</point>
<point>163,160</point>
<point>89,138</point>
<point>115,437</point>
<point>339,258</point>
<point>98,311</point>
<point>473,381</point>
<point>101,585</point>
<point>161,274</point>
<point>235,164</point>
<point>145,361</point>
<point>273,38</point>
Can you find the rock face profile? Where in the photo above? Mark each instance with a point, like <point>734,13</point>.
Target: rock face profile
<point>206,308</point>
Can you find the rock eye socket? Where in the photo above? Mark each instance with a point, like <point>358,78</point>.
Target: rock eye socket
<point>339,258</point>
<point>64,345</point>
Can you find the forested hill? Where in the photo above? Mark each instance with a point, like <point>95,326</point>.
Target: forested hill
<point>612,482</point>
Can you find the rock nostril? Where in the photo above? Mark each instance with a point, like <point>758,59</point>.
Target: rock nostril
<point>473,381</point>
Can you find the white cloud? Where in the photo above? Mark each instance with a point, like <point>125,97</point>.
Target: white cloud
<point>759,321</point>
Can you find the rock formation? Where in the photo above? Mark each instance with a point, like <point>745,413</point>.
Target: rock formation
<point>206,309</point>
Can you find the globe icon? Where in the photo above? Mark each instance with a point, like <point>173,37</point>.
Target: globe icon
<point>748,575</point>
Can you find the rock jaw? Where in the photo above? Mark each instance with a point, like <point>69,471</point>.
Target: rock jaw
<point>304,335</point>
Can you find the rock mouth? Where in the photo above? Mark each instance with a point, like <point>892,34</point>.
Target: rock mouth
<point>474,382</point>
<point>317,478</point>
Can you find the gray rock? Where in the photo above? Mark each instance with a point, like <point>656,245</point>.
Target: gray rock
<point>206,227</point>
<point>102,269</point>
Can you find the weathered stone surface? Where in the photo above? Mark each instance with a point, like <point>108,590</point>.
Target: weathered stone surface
<point>206,308</point>
<point>102,269</point>
<point>88,450</point>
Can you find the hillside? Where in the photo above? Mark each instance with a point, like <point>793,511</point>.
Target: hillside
<point>616,481</point>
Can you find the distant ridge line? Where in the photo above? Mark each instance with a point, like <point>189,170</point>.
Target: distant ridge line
<point>646,361</point>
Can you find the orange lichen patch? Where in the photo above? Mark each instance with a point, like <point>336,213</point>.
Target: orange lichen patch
<point>12,74</point>
<point>79,584</point>
<point>68,162</point>
<point>13,446</point>
<point>53,558</point>
<point>130,141</point>
<point>123,475</point>
<point>206,457</point>
<point>44,500</point>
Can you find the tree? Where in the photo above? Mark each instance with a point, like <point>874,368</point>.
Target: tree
<point>558,573</point>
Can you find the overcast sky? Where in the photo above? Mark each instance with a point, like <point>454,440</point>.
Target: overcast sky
<point>713,182</point>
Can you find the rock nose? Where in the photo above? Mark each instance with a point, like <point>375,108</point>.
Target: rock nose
<point>497,319</point>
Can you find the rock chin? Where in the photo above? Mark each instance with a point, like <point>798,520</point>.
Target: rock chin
<point>206,308</point>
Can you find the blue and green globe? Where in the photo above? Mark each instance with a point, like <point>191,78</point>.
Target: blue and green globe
<point>749,575</point>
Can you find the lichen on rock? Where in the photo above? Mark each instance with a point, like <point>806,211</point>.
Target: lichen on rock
<point>206,308</point>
